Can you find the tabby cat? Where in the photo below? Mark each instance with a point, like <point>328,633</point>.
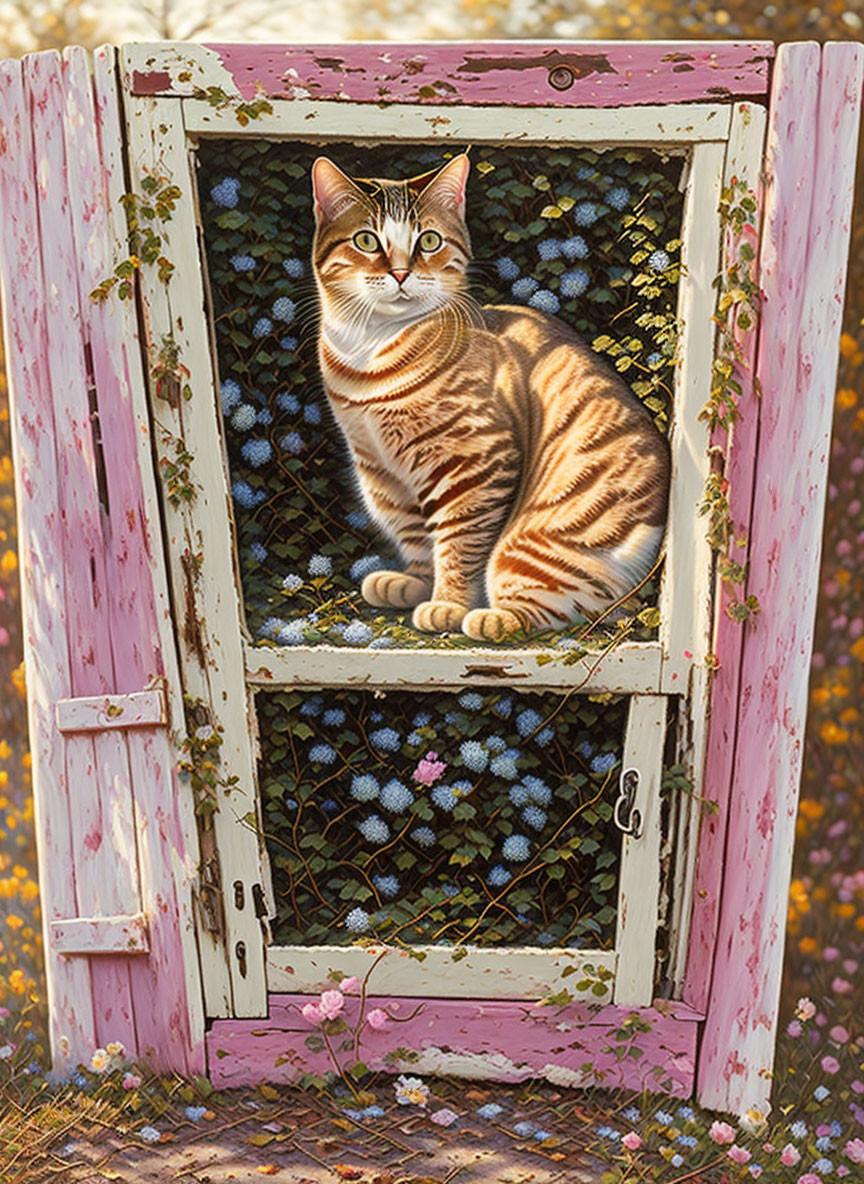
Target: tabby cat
<point>523,482</point>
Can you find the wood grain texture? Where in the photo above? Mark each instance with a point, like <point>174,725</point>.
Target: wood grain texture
<point>142,709</point>
<point>513,1041</point>
<point>101,935</point>
<point>814,123</point>
<point>70,1004</point>
<point>593,74</point>
<point>743,164</point>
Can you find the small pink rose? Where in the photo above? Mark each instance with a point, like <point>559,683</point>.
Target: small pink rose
<point>721,1132</point>
<point>330,1004</point>
<point>768,1148</point>
<point>839,1034</point>
<point>841,986</point>
<point>632,1141</point>
<point>809,1178</point>
<point>311,1013</point>
<point>739,1154</point>
<point>854,1150</point>
<point>377,1019</point>
<point>830,1064</point>
<point>443,1117</point>
<point>790,1155</point>
<point>349,984</point>
<point>131,1081</point>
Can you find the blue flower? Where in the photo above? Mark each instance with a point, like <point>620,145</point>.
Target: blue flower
<point>271,627</point>
<point>374,829</point>
<point>322,754</point>
<point>230,394</point>
<point>292,443</point>
<point>444,797</point>
<point>320,565</point>
<point>285,401</point>
<point>542,1136</point>
<point>381,643</point>
<point>387,885</point>
<point>374,1112</point>
<point>618,198</point>
<point>258,552</point>
<point>288,343</point>
<point>312,413</point>
<point>375,717</point>
<point>798,1130</point>
<point>474,755</point>
<point>262,327</point>
<point>824,1143</point>
<point>658,260</point>
<point>676,1160</point>
<point>586,213</point>
<point>386,739</point>
<point>516,848</point>
<point>496,744</point>
<point>461,788</point>
<point>33,1068</point>
<point>364,787</point>
<point>534,817</point>
<point>450,890</point>
<point>195,1113</point>
<point>835,1127</point>
<point>603,762</point>
<point>498,876</point>
<point>545,301</point>
<point>396,797</point>
<point>471,701</point>
<point>292,582</point>
<point>549,248</point>
<point>333,717</point>
<point>632,1114</point>
<point>358,633</point>
<point>357,519</point>
<point>226,193</point>
<point>664,1118</point>
<point>421,720</point>
<point>242,262</point>
<point>265,416</point>
<point>654,360</point>
<point>357,920</point>
<point>424,835</point>
<point>545,736</point>
<point>539,790</point>
<point>507,269</point>
<point>313,706</point>
<point>491,1110</point>
<point>820,1093</point>
<point>575,282</point>
<point>361,568</point>
<point>503,708</point>
<point>456,719</point>
<point>524,1129</point>
<point>528,721</point>
<point>292,633</point>
<point>545,939</point>
<point>413,738</point>
<point>518,795</point>
<point>244,418</point>
<point>149,1133</point>
<point>504,765</point>
<point>284,309</point>
<point>524,288</point>
<point>244,495</point>
<point>824,1166</point>
<point>687,1140</point>
<point>294,267</point>
<point>256,452</point>
<point>575,247</point>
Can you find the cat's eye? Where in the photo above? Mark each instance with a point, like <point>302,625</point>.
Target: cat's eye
<point>365,240</point>
<point>430,240</point>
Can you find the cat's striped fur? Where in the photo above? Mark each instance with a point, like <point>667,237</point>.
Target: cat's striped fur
<point>523,482</point>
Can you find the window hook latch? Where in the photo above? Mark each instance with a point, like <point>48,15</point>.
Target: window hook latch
<point>627,817</point>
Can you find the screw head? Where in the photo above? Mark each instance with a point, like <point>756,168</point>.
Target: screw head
<point>561,78</point>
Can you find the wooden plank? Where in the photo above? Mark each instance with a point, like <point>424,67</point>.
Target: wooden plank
<point>167,987</point>
<point>461,972</point>
<point>208,625</point>
<point>639,878</point>
<point>696,940</point>
<point>629,668</point>
<point>101,935</point>
<point>99,713</point>
<point>573,1045</point>
<point>671,125</point>
<point>592,74</point>
<point>814,127</point>
<point>70,1003</point>
<point>686,592</point>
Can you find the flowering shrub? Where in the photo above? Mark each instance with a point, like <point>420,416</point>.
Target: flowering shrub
<point>481,816</point>
<point>590,236</point>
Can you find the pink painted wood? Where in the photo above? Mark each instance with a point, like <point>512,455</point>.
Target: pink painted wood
<point>739,448</point>
<point>141,709</point>
<point>803,276</point>
<point>506,1041</point>
<point>594,74</point>
<point>103,836</point>
<point>45,626</point>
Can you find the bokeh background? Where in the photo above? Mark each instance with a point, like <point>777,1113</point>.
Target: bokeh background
<point>826,909</point>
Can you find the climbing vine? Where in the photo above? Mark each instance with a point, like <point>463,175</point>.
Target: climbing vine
<point>201,764</point>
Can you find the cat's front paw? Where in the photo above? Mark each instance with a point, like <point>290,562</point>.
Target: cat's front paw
<point>438,616</point>
<point>394,589</point>
<point>491,624</point>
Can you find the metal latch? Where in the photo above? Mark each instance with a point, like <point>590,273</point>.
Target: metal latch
<point>627,818</point>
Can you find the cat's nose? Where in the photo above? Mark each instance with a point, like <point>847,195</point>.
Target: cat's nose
<point>399,274</point>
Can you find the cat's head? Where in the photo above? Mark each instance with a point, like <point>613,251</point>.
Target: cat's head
<point>389,252</point>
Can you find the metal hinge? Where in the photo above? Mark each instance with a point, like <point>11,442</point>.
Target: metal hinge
<point>627,818</point>
<point>210,897</point>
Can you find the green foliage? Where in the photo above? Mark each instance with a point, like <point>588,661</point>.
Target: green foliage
<point>202,764</point>
<point>145,212</point>
<point>591,235</point>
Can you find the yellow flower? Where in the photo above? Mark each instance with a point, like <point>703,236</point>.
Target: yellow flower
<point>9,562</point>
<point>857,649</point>
<point>17,982</point>
<point>848,345</point>
<point>29,891</point>
<point>99,1061</point>
<point>115,1048</point>
<point>832,733</point>
<point>14,921</point>
<point>5,751</point>
<point>846,398</point>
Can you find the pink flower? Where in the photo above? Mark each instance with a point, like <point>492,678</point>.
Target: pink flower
<point>443,1117</point>
<point>377,1019</point>
<point>809,1178</point>
<point>841,986</point>
<point>839,1034</point>
<point>830,1064</point>
<point>739,1154</point>
<point>769,1148</point>
<point>632,1141</point>
<point>722,1132</point>
<point>794,1029</point>
<point>330,1004</point>
<point>131,1081</point>
<point>854,1150</point>
<point>4,1013</point>
<point>349,984</point>
<point>429,769</point>
<point>857,1086</point>
<point>790,1155</point>
<point>806,1009</point>
<point>311,1013</point>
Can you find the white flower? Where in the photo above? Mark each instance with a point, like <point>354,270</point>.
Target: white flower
<point>754,1122</point>
<point>99,1061</point>
<point>411,1091</point>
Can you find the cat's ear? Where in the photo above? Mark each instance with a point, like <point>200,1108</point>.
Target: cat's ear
<point>448,185</point>
<point>332,189</point>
